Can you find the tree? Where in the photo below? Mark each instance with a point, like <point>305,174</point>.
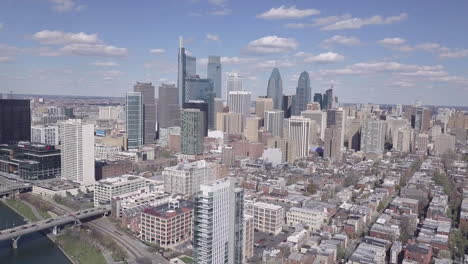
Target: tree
<point>312,188</point>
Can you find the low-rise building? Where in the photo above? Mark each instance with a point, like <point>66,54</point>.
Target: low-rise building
<point>106,189</point>
<point>268,218</point>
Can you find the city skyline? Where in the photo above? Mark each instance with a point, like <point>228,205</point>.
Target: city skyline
<point>72,52</point>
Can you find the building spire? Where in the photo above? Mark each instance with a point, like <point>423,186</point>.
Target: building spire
<point>181,42</point>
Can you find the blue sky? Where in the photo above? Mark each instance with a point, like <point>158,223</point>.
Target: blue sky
<point>372,51</point>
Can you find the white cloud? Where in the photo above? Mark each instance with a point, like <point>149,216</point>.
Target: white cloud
<point>342,40</point>
<point>272,45</point>
<point>104,63</point>
<point>327,57</point>
<point>392,41</point>
<point>99,50</point>
<point>295,25</point>
<point>454,54</point>
<point>218,2</point>
<point>212,37</point>
<point>54,37</point>
<point>273,63</point>
<point>4,59</point>
<point>355,23</point>
<point>221,12</point>
<point>111,74</point>
<point>65,5</point>
<point>292,12</point>
<point>430,47</point>
<point>321,21</point>
<point>157,51</point>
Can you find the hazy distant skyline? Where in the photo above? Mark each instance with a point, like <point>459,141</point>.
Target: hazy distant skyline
<point>378,52</point>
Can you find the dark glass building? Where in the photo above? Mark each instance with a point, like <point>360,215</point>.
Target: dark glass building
<point>318,99</point>
<point>203,107</point>
<point>287,105</point>
<point>15,121</point>
<point>30,161</point>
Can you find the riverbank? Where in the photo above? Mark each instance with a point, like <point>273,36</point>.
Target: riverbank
<point>21,209</point>
<point>79,251</point>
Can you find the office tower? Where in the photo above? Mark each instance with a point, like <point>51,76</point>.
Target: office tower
<point>330,104</point>
<point>319,99</point>
<point>303,94</point>
<point>168,106</point>
<point>320,118</point>
<point>335,117</point>
<point>227,155</point>
<point>45,134</point>
<point>262,105</point>
<point>77,151</point>
<point>203,107</point>
<point>268,218</point>
<point>251,128</point>
<point>287,147</point>
<point>422,119</point>
<point>353,134</point>
<point>149,111</point>
<point>109,112</point>
<point>373,138</point>
<point>186,178</point>
<point>302,131</point>
<point>422,140</point>
<point>201,89</point>
<point>134,119</point>
<point>332,143</point>
<point>444,143</point>
<point>275,89</point>
<point>214,74</point>
<point>231,123</point>
<point>15,120</point>
<point>239,102</point>
<point>218,223</point>
<point>233,83</point>
<point>273,122</point>
<point>192,131</point>
<point>287,105</point>
<point>186,68</point>
<point>219,105</point>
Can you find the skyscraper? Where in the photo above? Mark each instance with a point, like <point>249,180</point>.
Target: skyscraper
<point>302,131</point>
<point>15,120</point>
<point>191,133</point>
<point>319,99</point>
<point>201,89</point>
<point>239,102</point>
<point>303,94</point>
<point>332,143</point>
<point>77,151</point>
<point>134,119</point>
<point>262,105</point>
<point>45,134</point>
<point>233,83</point>
<point>203,107</point>
<point>275,89</point>
<point>251,128</point>
<point>330,99</point>
<point>373,138</point>
<point>186,68</point>
<point>287,105</point>
<point>168,106</point>
<point>273,122</point>
<point>214,73</point>
<point>335,117</point>
<point>149,111</point>
<point>231,123</point>
<point>218,223</point>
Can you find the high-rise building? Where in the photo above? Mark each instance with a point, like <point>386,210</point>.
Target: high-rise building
<point>275,89</point>
<point>233,83</point>
<point>314,106</point>
<point>203,107</point>
<point>214,73</point>
<point>261,105</point>
<point>77,151</point>
<point>403,140</point>
<point>186,68</point>
<point>303,94</point>
<point>336,117</point>
<point>373,138</point>
<point>149,111</point>
<point>251,128</point>
<point>273,122</point>
<point>45,134</point>
<point>218,223</point>
<point>287,105</point>
<point>186,178</point>
<point>330,99</point>
<point>109,112</point>
<point>168,106</point>
<point>287,147</point>
<point>15,120</point>
<point>239,102</point>
<point>302,131</point>
<point>422,140</point>
<point>320,118</point>
<point>444,143</point>
<point>197,88</point>
<point>319,99</point>
<point>192,131</point>
<point>332,143</point>
<point>231,123</point>
<point>248,237</point>
<point>134,119</point>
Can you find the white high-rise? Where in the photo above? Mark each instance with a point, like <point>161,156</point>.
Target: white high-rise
<point>186,178</point>
<point>373,137</point>
<point>301,130</point>
<point>273,122</point>
<point>239,102</point>
<point>78,151</point>
<point>233,83</point>
<point>48,135</point>
<point>218,223</point>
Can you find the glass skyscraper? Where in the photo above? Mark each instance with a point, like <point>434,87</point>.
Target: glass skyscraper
<point>303,94</point>
<point>275,89</point>
<point>187,66</point>
<point>149,111</point>
<point>192,131</point>
<point>134,119</point>
<point>15,120</point>
<point>214,74</point>
<point>201,89</point>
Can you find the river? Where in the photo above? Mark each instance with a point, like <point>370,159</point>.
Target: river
<point>32,248</point>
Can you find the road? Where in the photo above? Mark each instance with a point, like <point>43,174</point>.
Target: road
<point>137,251</point>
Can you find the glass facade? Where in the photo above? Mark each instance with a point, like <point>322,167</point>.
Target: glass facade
<point>275,89</point>
<point>15,121</point>
<point>201,89</point>
<point>134,119</point>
